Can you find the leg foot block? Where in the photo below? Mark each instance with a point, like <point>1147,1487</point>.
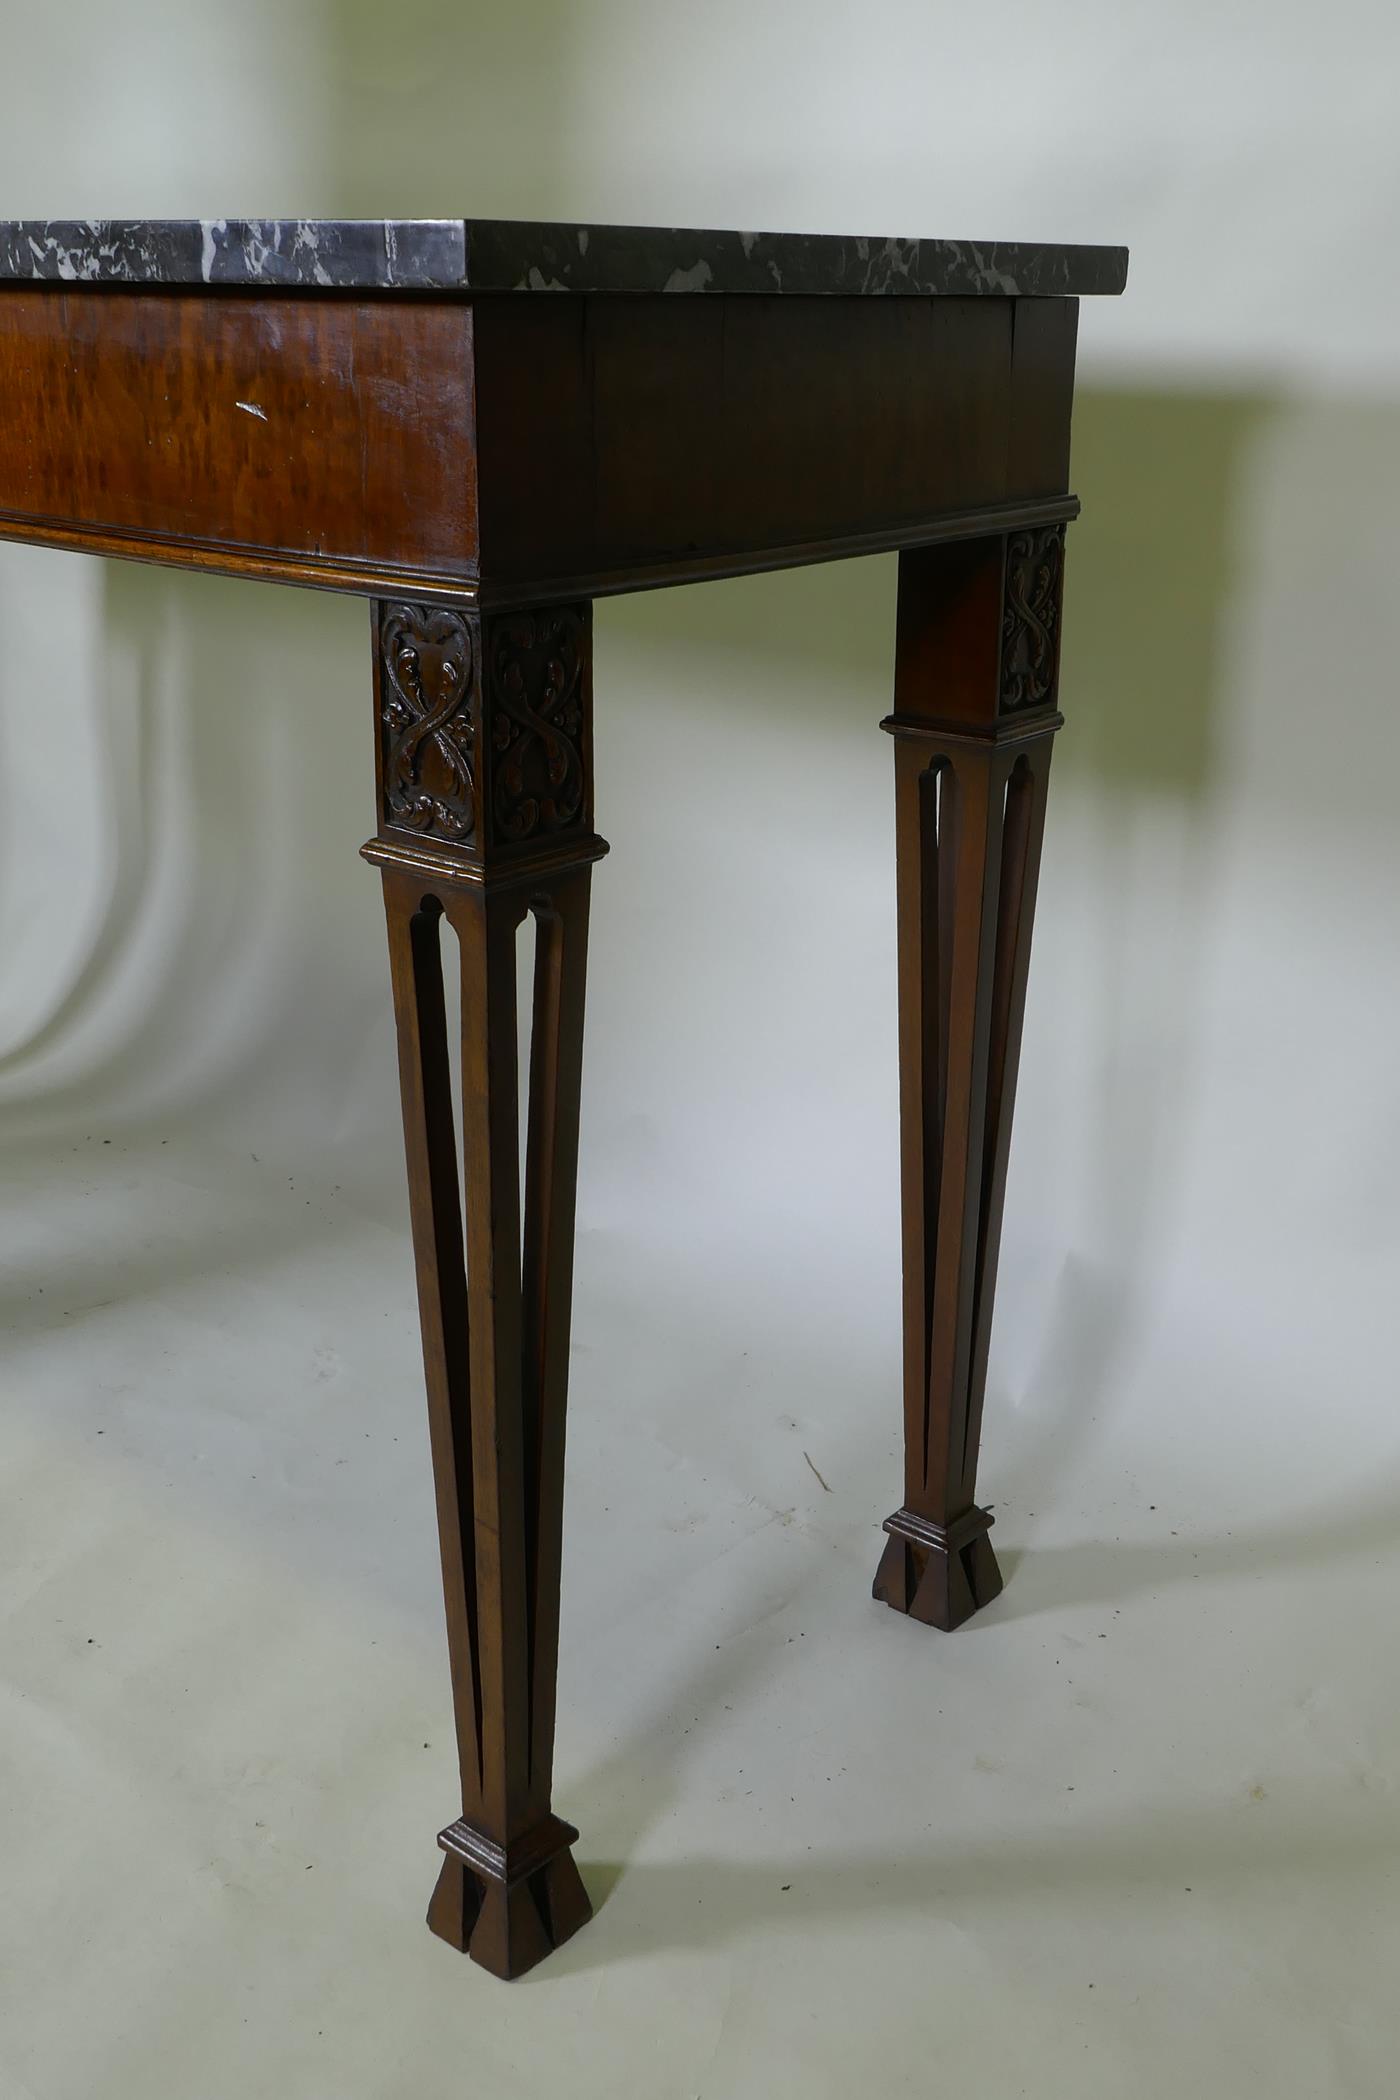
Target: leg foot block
<point>508,1907</point>
<point>939,1574</point>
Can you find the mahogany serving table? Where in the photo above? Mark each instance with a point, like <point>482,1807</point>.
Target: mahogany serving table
<point>481,427</point>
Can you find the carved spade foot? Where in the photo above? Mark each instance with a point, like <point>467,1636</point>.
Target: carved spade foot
<point>938,1574</point>
<point>508,1909</point>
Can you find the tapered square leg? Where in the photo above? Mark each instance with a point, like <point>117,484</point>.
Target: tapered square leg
<point>485,825</point>
<point>977,664</point>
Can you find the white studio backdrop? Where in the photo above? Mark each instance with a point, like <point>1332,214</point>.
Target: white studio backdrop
<point>205,1226</point>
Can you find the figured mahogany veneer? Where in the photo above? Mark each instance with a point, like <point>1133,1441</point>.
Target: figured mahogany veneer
<point>310,439</point>
<point>481,428</point>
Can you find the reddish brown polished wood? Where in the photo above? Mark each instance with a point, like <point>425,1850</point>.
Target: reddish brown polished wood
<point>311,439</point>
<point>495,1344</point>
<point>976,679</point>
<point>483,730</point>
<point>482,464</point>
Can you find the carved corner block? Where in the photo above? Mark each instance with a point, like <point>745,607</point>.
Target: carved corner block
<point>485,760</point>
<point>426,678</point>
<point>1032,594</point>
<point>537,708</point>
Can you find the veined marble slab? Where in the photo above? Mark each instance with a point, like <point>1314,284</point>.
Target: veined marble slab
<point>518,255</point>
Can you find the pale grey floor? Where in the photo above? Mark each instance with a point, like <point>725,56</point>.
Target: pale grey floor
<point>1132,1832</point>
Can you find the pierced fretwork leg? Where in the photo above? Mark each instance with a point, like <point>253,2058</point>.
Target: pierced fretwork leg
<point>485,819</point>
<point>976,677</point>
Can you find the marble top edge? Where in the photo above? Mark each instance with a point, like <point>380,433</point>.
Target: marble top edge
<point>520,255</point>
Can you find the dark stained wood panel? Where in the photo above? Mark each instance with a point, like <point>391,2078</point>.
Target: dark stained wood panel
<point>1043,334</point>
<point>634,440</point>
<point>332,434</point>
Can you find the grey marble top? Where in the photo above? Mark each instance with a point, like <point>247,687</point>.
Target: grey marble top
<point>518,255</point>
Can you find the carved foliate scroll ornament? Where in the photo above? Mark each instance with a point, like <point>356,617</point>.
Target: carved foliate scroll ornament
<point>425,707</point>
<point>1030,626</point>
<point>536,700</point>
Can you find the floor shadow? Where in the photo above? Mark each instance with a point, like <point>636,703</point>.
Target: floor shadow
<point>638,1787</point>
<point>1099,1571</point>
<point>253,1233</point>
<point>1212,1854</point>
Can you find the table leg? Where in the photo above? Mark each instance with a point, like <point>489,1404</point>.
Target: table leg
<point>485,810</point>
<point>975,691</point>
